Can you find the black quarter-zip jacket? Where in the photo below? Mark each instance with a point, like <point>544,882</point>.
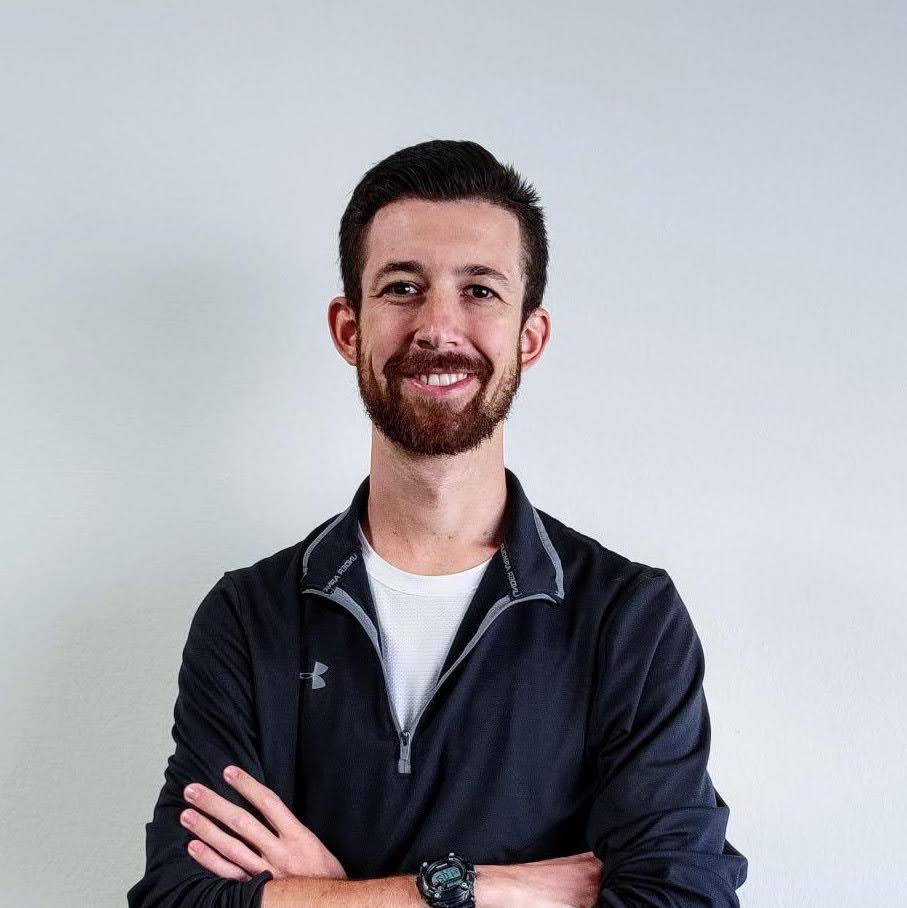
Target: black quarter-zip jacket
<point>569,715</point>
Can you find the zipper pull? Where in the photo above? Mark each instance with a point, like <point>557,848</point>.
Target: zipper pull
<point>403,765</point>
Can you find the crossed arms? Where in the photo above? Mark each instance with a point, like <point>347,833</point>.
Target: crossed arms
<point>305,872</point>
<point>655,820</point>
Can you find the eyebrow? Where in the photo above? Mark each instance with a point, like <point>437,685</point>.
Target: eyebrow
<point>415,267</point>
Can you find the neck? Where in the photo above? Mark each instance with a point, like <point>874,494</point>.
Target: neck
<point>436,515</point>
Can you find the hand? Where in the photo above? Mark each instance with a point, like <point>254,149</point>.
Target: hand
<point>572,881</point>
<point>293,851</point>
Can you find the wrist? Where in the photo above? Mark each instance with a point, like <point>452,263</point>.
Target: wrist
<point>447,881</point>
<point>494,886</point>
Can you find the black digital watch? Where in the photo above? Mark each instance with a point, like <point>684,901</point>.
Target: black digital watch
<point>447,882</point>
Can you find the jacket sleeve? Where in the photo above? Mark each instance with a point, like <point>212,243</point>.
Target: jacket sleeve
<point>656,821</point>
<point>214,725</point>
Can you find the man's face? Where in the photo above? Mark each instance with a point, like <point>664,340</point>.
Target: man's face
<point>425,318</point>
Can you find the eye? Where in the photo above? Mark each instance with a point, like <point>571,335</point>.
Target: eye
<point>482,287</point>
<point>396,285</point>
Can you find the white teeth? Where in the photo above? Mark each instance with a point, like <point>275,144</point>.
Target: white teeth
<point>445,379</point>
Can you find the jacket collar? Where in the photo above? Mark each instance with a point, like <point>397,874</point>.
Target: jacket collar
<point>525,566</point>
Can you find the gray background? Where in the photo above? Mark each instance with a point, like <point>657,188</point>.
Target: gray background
<point>723,395</point>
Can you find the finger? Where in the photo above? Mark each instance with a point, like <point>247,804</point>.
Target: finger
<point>231,815</point>
<point>268,803</point>
<point>211,860</point>
<point>231,848</point>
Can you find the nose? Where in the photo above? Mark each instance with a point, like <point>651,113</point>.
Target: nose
<point>440,320</point>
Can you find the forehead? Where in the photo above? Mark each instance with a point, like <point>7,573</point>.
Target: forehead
<point>445,233</point>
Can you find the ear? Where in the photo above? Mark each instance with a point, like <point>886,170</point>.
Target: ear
<point>534,337</point>
<point>343,327</point>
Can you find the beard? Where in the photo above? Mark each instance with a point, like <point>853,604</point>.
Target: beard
<point>431,426</point>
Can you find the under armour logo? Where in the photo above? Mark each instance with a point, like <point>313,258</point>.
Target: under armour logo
<point>315,674</point>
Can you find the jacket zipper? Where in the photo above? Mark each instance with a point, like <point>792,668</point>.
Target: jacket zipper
<point>404,735</point>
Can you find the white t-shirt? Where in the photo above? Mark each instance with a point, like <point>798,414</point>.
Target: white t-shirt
<point>418,617</point>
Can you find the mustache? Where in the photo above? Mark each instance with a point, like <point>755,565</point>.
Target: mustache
<point>411,368</point>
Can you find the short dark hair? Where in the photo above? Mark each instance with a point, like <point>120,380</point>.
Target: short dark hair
<point>444,170</point>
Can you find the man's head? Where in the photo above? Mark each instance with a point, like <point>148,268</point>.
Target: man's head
<point>443,255</point>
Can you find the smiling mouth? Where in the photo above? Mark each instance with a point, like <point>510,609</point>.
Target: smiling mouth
<point>440,385</point>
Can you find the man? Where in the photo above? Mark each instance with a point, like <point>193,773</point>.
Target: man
<point>442,695</point>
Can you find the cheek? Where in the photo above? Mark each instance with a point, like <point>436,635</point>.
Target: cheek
<point>506,354</point>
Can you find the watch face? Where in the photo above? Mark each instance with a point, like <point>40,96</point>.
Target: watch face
<point>448,876</point>
<point>447,881</point>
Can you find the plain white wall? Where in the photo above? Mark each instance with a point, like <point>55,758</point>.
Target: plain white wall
<point>723,395</point>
